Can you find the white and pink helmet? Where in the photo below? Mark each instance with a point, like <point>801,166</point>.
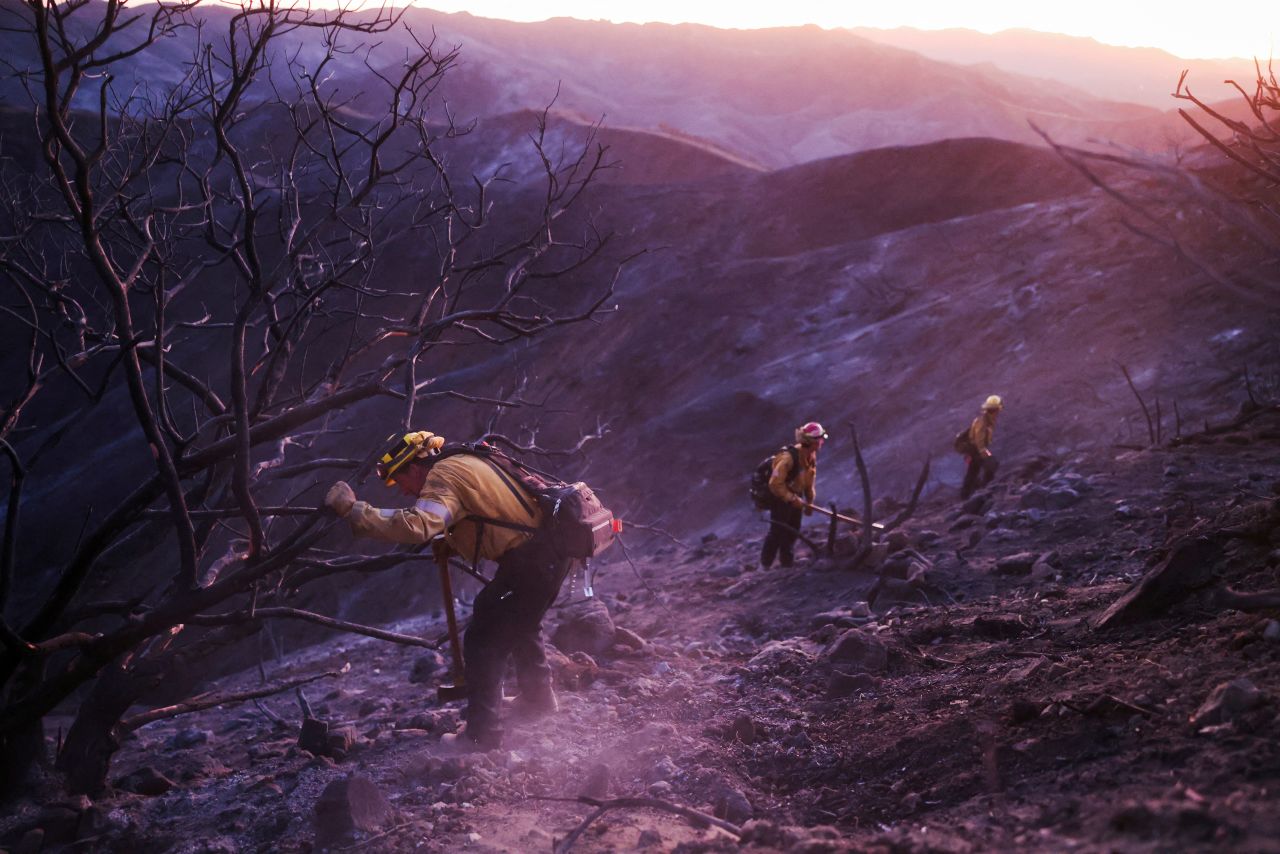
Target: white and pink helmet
<point>811,434</point>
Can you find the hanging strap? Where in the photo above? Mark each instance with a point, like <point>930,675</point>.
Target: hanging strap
<point>506,479</point>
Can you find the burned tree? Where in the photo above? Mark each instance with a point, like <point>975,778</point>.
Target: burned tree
<point>1209,216</point>
<point>214,269</point>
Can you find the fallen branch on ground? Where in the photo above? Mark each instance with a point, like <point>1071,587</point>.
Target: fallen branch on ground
<point>637,803</point>
<point>310,617</point>
<point>1234,424</point>
<point>208,701</point>
<point>372,839</point>
<point>1259,601</point>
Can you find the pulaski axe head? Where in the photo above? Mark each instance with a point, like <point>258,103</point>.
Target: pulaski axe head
<point>449,693</point>
<point>458,690</point>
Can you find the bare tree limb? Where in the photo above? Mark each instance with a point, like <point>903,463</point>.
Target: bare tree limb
<point>1262,600</point>
<point>222,698</point>
<point>1151,431</point>
<point>310,617</point>
<point>603,806</point>
<point>868,528</point>
<point>914,500</point>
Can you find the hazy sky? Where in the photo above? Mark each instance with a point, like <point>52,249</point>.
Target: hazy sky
<point>1220,28</point>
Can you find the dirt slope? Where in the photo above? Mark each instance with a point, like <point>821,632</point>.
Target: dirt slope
<point>974,707</point>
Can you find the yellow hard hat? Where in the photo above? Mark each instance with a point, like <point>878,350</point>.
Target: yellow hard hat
<point>993,402</point>
<point>401,449</point>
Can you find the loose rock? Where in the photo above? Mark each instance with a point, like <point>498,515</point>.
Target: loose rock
<point>628,638</point>
<point>649,839</point>
<point>858,649</point>
<point>427,667</point>
<point>1016,564</point>
<point>186,738</point>
<point>843,684</point>
<point>783,655</point>
<point>145,781</point>
<point>1061,499</point>
<point>349,805</point>
<point>1226,701</point>
<point>597,782</point>
<point>733,806</point>
<point>586,627</point>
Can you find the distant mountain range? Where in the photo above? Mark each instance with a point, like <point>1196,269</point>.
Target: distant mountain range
<point>1139,75</point>
<point>768,98</point>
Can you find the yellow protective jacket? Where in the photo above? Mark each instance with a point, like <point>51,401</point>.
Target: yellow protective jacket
<point>456,488</point>
<point>804,485</point>
<point>981,432</point>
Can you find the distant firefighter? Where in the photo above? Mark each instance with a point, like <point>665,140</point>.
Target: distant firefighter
<point>975,444</point>
<point>789,492</point>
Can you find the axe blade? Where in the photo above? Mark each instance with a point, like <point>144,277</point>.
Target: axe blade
<point>449,693</point>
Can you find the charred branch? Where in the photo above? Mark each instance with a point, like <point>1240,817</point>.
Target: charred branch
<point>276,613</point>
<point>914,501</point>
<point>222,698</point>
<point>868,528</point>
<point>1262,600</point>
<point>698,817</point>
<point>1146,413</point>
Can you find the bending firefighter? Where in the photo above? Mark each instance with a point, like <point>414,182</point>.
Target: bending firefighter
<point>976,446</point>
<point>466,498</point>
<point>792,487</point>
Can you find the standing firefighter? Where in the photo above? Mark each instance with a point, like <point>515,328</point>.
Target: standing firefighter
<point>483,510</point>
<point>792,482</point>
<point>975,444</point>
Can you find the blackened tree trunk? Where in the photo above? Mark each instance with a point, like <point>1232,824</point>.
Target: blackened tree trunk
<point>22,750</point>
<point>92,741</point>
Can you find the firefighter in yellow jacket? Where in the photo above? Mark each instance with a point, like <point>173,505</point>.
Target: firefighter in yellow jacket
<point>792,486</point>
<point>471,502</point>
<point>981,463</point>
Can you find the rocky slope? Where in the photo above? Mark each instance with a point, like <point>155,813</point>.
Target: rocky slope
<point>974,705</point>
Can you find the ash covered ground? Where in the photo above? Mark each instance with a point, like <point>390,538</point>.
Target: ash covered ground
<point>1052,665</point>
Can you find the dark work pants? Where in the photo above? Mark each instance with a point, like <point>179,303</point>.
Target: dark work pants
<point>507,622</point>
<point>784,527</point>
<point>980,472</point>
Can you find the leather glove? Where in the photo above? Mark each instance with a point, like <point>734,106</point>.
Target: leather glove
<point>340,498</point>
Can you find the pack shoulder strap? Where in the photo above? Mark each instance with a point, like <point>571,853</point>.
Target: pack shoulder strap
<point>506,480</point>
<point>486,454</point>
<point>795,461</point>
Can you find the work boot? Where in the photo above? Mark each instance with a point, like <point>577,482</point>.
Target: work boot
<point>465,742</point>
<point>785,560</point>
<point>535,705</point>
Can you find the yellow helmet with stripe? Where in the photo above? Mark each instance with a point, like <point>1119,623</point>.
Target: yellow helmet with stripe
<point>402,449</point>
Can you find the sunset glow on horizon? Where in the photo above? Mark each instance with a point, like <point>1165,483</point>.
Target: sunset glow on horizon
<point>1233,28</point>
